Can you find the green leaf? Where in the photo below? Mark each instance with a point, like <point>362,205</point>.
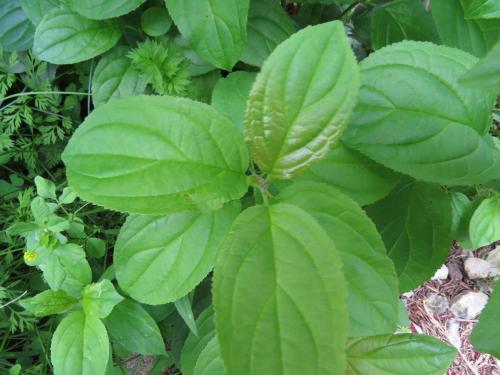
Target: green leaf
<point>48,302</point>
<point>131,325</point>
<point>160,259</point>
<point>96,247</point>
<point>80,345</point>
<point>372,283</point>
<point>279,288</point>
<point>156,21</point>
<point>414,117</point>
<point>40,210</point>
<point>401,20</point>
<point>100,298</point>
<point>474,36</point>
<point>99,9</point>
<point>215,29</point>
<point>484,227</point>
<point>115,77</point>
<point>45,188</point>
<point>398,354</point>
<point>65,37</point>
<point>483,9</point>
<point>16,30</point>
<point>486,334</point>
<point>178,155</point>
<point>183,307</point>
<point>195,344</point>
<point>36,9</point>
<point>67,269</point>
<point>356,175</point>
<point>415,224</point>
<point>486,73</point>
<point>230,95</point>
<point>268,26</point>
<point>460,215</point>
<point>210,362</point>
<point>301,100</point>
<point>67,196</point>
<point>21,228</point>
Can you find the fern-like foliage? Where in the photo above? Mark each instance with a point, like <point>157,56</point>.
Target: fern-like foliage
<point>162,66</point>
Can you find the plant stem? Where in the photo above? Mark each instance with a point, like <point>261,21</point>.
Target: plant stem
<point>28,93</point>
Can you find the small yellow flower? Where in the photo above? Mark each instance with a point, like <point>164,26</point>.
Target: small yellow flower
<point>30,255</point>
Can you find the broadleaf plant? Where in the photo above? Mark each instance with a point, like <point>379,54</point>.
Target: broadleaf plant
<point>280,172</point>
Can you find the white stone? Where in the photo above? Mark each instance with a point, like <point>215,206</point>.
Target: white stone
<point>441,274</point>
<point>453,333</point>
<point>436,304</point>
<point>493,259</point>
<point>469,305</point>
<point>477,268</point>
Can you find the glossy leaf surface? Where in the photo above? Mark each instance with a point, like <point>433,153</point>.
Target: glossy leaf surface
<point>484,226</point>
<point>99,9</point>
<point>16,30</point>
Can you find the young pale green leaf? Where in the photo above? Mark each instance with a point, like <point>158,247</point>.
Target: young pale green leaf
<point>95,247</point>
<point>401,20</point>
<point>67,196</point>
<point>115,77</point>
<point>48,302</point>
<point>215,29</point>
<point>100,298</point>
<point>372,283</point>
<point>484,227</point>
<point>398,354</point>
<point>471,35</point>
<point>210,362</point>
<point>486,73</point>
<point>155,155</point>
<point>486,335</point>
<point>45,188</point>
<point>483,9</point>
<point>356,175</point>
<point>36,9</point>
<point>65,37</point>
<point>194,344</point>
<point>301,100</point>
<point>279,288</point>
<point>16,30</point>
<point>185,310</point>
<point>414,117</point>
<point>160,259</point>
<point>131,325</point>
<point>156,21</point>
<point>80,345</point>
<point>99,9</point>
<point>415,224</point>
<point>268,26</point>
<point>230,95</point>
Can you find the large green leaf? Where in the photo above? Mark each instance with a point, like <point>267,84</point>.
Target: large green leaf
<point>65,37</point>
<point>16,30</point>
<point>135,329</point>
<point>400,20</point>
<point>100,298</point>
<point>230,95</point>
<point>115,77</point>
<point>268,26</point>
<point>398,354</point>
<point>356,175</point>
<point>483,9</point>
<point>301,100</point>
<point>215,29</point>
<point>159,259</point>
<point>279,288</point>
<point>195,344</point>
<point>486,335</point>
<point>484,227</point>
<point>155,155</point>
<point>36,9</point>
<point>48,302</point>
<point>80,345</point>
<point>372,283</point>
<point>210,362</point>
<point>474,36</point>
<point>415,224</point>
<point>413,115</point>
<point>99,9</point>
<point>486,73</point>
